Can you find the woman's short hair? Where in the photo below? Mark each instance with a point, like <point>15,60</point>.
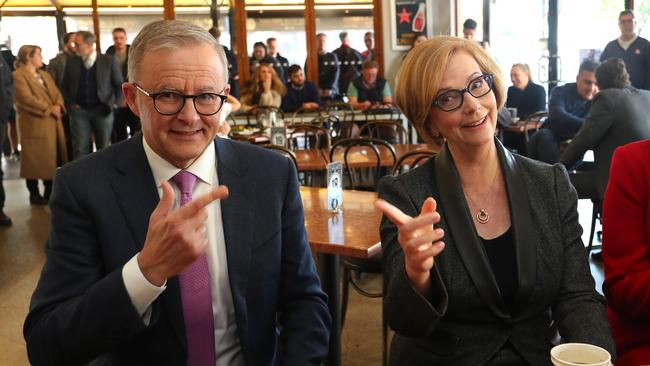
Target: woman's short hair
<point>24,53</point>
<point>524,68</point>
<point>171,35</point>
<point>612,74</point>
<point>419,78</point>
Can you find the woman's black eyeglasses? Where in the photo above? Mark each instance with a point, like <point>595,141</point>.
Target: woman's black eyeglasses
<point>453,99</point>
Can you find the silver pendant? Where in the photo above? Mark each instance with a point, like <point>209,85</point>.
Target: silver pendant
<point>482,217</point>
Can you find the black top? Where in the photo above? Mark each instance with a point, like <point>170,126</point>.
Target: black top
<point>528,101</point>
<point>501,253</point>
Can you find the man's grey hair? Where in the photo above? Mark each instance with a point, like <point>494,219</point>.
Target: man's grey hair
<point>170,35</point>
<point>86,37</point>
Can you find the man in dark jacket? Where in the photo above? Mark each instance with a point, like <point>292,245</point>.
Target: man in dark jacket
<point>300,93</point>
<point>92,87</point>
<point>634,50</point>
<point>328,70</point>
<point>568,107</point>
<point>282,62</point>
<point>123,116</point>
<point>350,61</point>
<point>6,101</point>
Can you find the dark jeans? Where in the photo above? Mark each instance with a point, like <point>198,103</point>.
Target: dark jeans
<point>543,147</point>
<point>86,122</point>
<point>124,118</point>
<point>2,188</point>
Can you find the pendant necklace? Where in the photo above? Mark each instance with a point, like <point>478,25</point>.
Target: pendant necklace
<point>482,216</point>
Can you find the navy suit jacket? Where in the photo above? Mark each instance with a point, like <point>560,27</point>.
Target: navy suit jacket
<point>81,312</point>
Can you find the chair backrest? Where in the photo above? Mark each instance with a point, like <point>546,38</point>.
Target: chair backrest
<point>355,168</point>
<point>256,115</point>
<point>411,160</point>
<point>284,151</point>
<point>305,115</point>
<point>391,131</point>
<point>383,112</point>
<point>303,137</point>
<point>539,116</point>
<point>346,112</point>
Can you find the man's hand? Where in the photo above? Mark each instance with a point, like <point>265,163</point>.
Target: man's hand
<point>310,105</point>
<point>420,242</point>
<point>175,239</point>
<point>365,105</point>
<point>266,85</point>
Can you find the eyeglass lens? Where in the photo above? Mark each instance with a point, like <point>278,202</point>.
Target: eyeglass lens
<point>453,99</point>
<point>172,103</point>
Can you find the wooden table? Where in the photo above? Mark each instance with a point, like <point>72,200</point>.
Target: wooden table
<point>353,232</point>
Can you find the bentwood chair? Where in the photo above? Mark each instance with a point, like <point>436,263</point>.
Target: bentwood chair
<point>284,151</point>
<point>411,160</point>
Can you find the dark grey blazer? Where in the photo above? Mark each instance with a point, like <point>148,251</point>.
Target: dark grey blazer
<point>109,80</point>
<point>465,322</point>
<point>617,117</point>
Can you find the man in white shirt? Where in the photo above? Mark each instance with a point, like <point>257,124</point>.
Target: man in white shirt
<point>174,247</point>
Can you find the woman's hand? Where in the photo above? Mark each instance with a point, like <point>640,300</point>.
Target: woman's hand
<point>420,242</point>
<point>266,85</point>
<point>56,111</point>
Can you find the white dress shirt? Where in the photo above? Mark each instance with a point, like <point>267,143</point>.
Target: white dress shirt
<point>90,60</point>
<point>143,293</point>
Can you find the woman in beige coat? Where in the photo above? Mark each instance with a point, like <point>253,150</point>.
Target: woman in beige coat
<point>39,107</point>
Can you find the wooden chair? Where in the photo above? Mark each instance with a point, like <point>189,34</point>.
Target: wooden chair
<point>389,130</point>
<point>284,151</point>
<point>303,115</point>
<point>411,160</point>
<point>255,116</point>
<point>372,148</point>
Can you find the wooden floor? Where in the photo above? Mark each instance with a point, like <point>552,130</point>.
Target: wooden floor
<point>21,259</point>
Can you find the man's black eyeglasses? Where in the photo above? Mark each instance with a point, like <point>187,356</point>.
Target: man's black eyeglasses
<point>453,99</point>
<point>169,103</point>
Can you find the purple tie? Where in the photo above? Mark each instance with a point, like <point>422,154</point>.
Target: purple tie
<point>195,294</point>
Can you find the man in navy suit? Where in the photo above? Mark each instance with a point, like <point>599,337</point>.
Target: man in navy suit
<point>174,247</point>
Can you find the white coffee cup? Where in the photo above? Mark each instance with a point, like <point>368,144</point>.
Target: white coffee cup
<point>579,354</point>
<point>513,112</point>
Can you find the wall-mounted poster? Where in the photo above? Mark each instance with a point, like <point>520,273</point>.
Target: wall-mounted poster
<point>408,18</point>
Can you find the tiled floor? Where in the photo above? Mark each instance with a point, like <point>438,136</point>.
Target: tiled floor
<point>21,259</point>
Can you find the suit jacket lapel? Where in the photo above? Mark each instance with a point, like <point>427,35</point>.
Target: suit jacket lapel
<point>522,224</point>
<point>237,213</point>
<point>461,227</point>
<point>137,195</point>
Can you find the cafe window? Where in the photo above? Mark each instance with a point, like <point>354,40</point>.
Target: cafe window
<point>472,9</point>
<point>21,30</point>
<point>642,15</point>
<point>585,27</point>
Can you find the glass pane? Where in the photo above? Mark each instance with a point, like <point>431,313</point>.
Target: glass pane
<point>19,31</point>
<point>528,30</point>
<point>333,21</point>
<point>585,36</point>
<point>642,14</point>
<point>472,9</point>
<point>288,30</point>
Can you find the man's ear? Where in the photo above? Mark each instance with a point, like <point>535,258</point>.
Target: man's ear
<point>128,89</point>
